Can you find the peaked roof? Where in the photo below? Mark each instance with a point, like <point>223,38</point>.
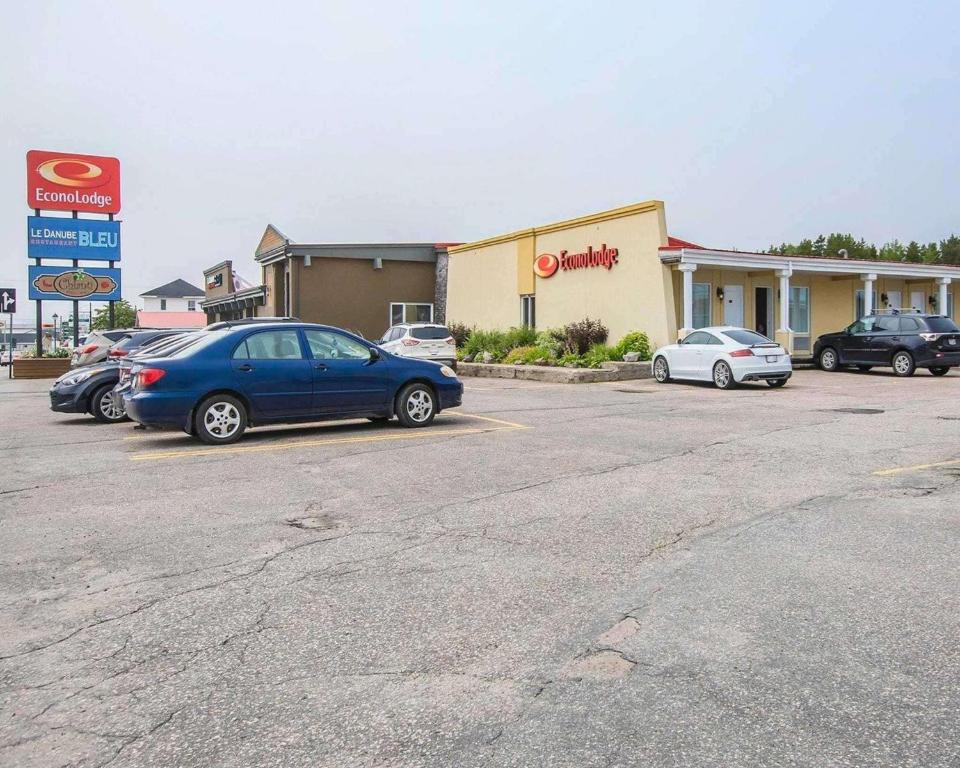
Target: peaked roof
<point>175,289</point>
<point>272,238</point>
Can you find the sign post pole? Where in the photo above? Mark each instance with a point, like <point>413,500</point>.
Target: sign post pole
<point>10,350</point>
<point>76,306</point>
<point>36,212</point>
<point>112,305</point>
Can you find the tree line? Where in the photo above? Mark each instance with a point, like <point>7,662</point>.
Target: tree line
<point>945,252</point>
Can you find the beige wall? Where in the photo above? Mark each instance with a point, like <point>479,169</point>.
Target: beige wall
<point>486,279</point>
<point>482,286</point>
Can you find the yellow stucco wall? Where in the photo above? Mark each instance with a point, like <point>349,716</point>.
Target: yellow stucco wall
<point>482,286</point>
<point>486,279</point>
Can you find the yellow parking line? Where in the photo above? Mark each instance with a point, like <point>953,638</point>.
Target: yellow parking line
<point>406,435</point>
<point>511,424</point>
<point>916,467</point>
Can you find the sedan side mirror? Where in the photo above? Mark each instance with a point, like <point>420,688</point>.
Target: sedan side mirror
<point>374,354</point>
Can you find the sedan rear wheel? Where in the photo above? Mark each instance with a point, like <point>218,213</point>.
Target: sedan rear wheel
<point>723,376</point>
<point>661,371</point>
<point>220,419</point>
<point>940,370</point>
<point>829,360</point>
<point>416,405</point>
<point>903,364</point>
<point>104,409</point>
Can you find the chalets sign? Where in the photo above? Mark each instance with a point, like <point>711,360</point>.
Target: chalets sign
<point>547,264</point>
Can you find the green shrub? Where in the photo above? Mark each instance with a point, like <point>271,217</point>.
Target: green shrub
<point>635,341</point>
<point>580,336</point>
<point>552,339</point>
<point>460,333</point>
<point>518,355</point>
<point>521,336</point>
<point>485,341</point>
<point>569,358</point>
<point>597,355</point>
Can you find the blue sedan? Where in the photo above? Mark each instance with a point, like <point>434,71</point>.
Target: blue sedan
<point>271,373</point>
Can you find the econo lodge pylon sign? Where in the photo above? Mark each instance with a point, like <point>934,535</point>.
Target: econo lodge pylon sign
<point>60,181</point>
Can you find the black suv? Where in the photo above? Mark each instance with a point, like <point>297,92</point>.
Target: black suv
<point>900,340</point>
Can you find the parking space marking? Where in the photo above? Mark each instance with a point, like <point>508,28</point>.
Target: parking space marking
<point>915,468</point>
<point>406,435</point>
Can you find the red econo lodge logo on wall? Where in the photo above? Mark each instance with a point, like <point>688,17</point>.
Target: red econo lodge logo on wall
<point>547,264</point>
<point>57,181</point>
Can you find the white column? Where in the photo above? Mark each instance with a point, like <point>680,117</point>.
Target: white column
<point>942,283</point>
<point>868,281</point>
<point>687,270</point>
<point>784,275</point>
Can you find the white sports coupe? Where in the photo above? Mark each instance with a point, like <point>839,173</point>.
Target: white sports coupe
<point>724,355</point>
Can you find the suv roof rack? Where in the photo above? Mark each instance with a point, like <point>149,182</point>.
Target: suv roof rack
<point>249,321</point>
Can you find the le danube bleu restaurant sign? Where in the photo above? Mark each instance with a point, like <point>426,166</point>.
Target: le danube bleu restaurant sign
<point>90,239</point>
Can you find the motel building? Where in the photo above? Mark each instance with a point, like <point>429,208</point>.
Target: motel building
<point>623,268</point>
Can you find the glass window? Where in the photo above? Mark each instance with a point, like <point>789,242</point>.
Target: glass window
<point>859,308</point>
<point>888,323</point>
<point>942,325</point>
<point>241,353</point>
<point>747,337</point>
<point>698,337</point>
<point>191,305</point>
<point>163,304</point>
<point>410,313</point>
<point>800,309</point>
<point>909,325</point>
<point>327,345</point>
<point>949,312</point>
<point>528,311</point>
<point>701,305</point>
<point>274,345</point>
<point>863,325</point>
<point>430,333</point>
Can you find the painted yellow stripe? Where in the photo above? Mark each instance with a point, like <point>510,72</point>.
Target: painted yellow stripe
<point>511,424</point>
<point>405,435</point>
<point>916,467</point>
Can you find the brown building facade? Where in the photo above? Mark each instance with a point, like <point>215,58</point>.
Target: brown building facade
<point>364,288</point>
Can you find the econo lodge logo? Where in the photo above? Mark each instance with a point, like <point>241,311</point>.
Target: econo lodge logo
<point>60,181</point>
<point>546,265</point>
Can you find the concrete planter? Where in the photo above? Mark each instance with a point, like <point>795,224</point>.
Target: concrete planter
<point>40,367</point>
<point>612,371</point>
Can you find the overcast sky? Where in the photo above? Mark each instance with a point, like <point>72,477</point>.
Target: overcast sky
<point>756,122</point>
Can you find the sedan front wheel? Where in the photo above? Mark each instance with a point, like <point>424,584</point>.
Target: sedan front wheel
<point>416,405</point>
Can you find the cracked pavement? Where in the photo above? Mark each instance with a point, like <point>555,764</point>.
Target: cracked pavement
<point>648,575</point>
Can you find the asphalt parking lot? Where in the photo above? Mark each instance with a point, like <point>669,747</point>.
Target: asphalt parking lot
<point>554,575</point>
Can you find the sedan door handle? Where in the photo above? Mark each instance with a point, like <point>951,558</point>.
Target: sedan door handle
<point>320,366</point>
<point>246,367</point>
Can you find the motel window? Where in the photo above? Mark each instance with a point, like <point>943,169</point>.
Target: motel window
<point>163,304</point>
<point>800,316</point>
<point>410,313</point>
<point>528,311</point>
<point>949,312</point>
<point>191,305</point>
<point>859,305</point>
<point>701,305</point>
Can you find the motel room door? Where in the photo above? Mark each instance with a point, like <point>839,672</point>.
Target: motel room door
<point>763,310</point>
<point>733,305</point>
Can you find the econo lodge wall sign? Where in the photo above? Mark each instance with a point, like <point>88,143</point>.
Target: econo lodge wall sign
<point>547,264</point>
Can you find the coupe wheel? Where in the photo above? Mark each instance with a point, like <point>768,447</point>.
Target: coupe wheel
<point>776,382</point>
<point>723,376</point>
<point>661,370</point>
<point>903,364</point>
<point>416,405</point>
<point>829,360</point>
<point>104,409</point>
<point>220,419</point>
<point>940,370</point>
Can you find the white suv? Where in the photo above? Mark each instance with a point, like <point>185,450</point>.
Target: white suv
<point>424,341</point>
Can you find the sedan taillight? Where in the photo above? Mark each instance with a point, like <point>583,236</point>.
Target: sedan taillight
<point>148,376</point>
<point>742,353</point>
<point>117,353</point>
<point>410,342</point>
<point>88,349</point>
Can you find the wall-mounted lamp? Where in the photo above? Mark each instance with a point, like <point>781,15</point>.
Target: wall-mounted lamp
<point>933,301</point>
<point>377,263</point>
<point>719,293</point>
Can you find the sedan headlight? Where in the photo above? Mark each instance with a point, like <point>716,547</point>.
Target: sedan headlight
<point>75,378</point>
<point>447,371</point>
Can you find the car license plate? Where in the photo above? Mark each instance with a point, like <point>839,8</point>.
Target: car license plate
<point>772,358</point>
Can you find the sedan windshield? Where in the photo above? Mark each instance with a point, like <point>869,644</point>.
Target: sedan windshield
<point>750,338</point>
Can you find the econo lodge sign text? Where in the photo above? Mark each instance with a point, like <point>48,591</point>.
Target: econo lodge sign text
<point>59,181</point>
<point>547,264</point>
